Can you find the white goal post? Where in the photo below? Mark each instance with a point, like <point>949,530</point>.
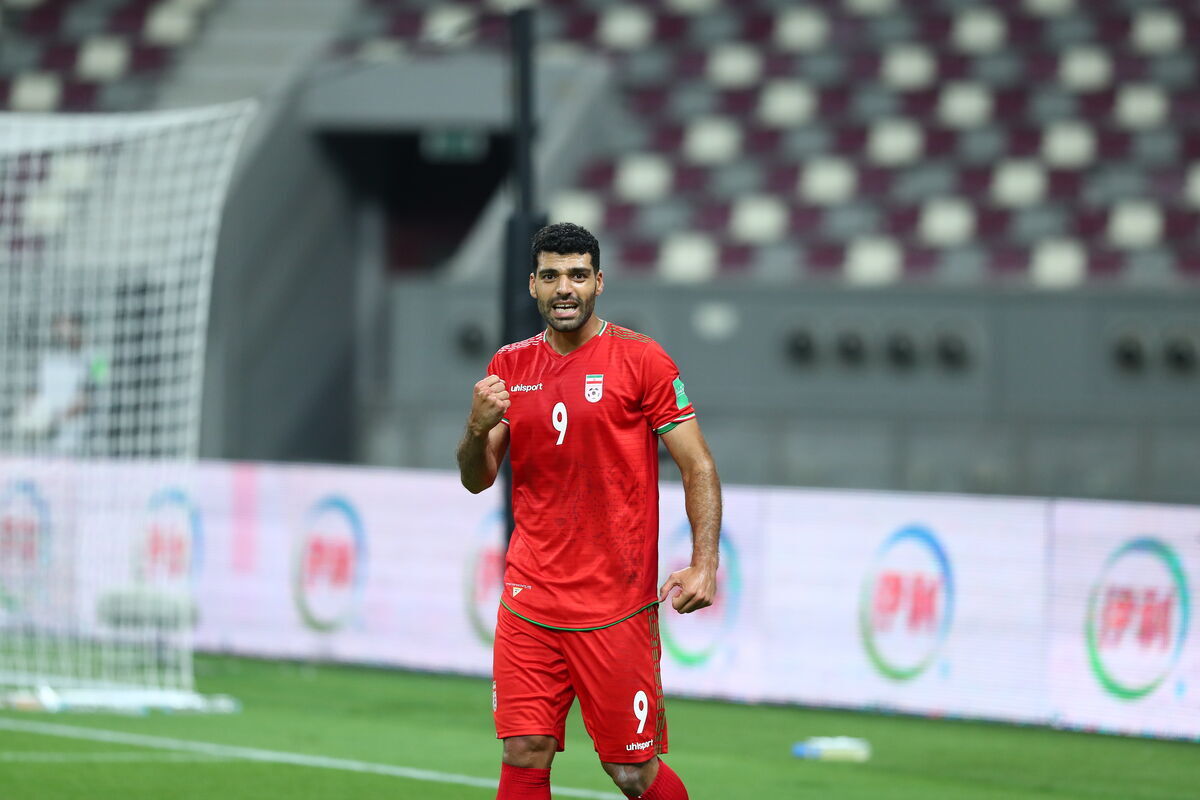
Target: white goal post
<point>108,230</point>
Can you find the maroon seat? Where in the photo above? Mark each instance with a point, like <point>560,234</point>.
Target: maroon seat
<point>991,223</point>
<point>406,25</point>
<point>667,138</point>
<point>147,58</point>
<point>670,27</point>
<point>60,57</point>
<point>781,178</point>
<point>1025,100</point>
<point>1008,261</point>
<point>598,175</point>
<point>619,217</point>
<point>46,19</point>
<point>805,221</point>
<point>919,262</point>
<point>1112,144</point>
<point>824,258</point>
<point>1011,103</point>
<point>901,221</point>
<point>690,180</point>
<point>953,66</point>
<point>759,142</point>
<point>735,258</point>
<point>758,27</point>
<point>1091,224</point>
<point>131,17</point>
<point>1187,262</point>
<point>738,102</point>
<point>1104,263</point>
<point>648,102</point>
<point>711,216</point>
<point>874,181</point>
<point>639,255</point>
<point>78,96</point>
<point>921,104</point>
<point>1180,223</point>
<point>580,26</point>
<point>1025,141</point>
<point>940,141</point>
<point>1063,185</point>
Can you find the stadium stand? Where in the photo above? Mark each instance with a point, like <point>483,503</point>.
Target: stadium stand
<point>91,55</point>
<point>1051,143</point>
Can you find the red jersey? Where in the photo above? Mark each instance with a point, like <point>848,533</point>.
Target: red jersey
<point>584,449</point>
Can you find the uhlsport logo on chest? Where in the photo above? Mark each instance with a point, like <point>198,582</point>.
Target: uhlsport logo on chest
<point>593,388</point>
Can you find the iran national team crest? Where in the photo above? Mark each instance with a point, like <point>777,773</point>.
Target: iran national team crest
<point>593,388</point>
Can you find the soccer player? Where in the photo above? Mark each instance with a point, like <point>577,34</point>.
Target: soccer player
<point>580,409</point>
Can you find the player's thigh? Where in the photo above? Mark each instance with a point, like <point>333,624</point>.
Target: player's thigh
<point>531,686</point>
<point>615,671</point>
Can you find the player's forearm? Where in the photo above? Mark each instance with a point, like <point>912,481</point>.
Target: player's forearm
<point>476,469</point>
<point>702,499</point>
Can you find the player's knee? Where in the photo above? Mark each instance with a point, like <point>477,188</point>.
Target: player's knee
<point>529,751</point>
<point>632,779</point>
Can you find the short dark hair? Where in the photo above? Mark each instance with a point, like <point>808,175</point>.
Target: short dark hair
<point>566,239</point>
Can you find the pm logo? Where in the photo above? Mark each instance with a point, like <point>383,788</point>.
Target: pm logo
<point>484,576</point>
<point>25,552</point>
<point>1137,618</point>
<point>593,388</point>
<point>171,549</point>
<point>692,640</point>
<point>330,564</point>
<point>907,603</point>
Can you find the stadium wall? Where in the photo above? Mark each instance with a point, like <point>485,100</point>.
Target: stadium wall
<point>1056,612</point>
<point>279,361</point>
<point>967,390</point>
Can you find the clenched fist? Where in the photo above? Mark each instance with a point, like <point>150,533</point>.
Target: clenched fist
<point>488,405</point>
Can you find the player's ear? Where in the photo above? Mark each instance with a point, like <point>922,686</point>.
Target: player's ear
<point>532,293</point>
<point>599,281</point>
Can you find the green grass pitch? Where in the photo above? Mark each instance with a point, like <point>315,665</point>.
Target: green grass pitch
<point>338,732</point>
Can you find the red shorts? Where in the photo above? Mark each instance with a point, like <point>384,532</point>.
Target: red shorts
<point>537,673</point>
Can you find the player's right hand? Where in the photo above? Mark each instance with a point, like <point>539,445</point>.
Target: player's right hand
<point>489,404</point>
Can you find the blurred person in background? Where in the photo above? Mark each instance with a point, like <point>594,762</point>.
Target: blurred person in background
<point>580,408</point>
<point>53,417</point>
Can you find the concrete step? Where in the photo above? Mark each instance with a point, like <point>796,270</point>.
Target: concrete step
<point>252,47</point>
<point>266,52</point>
<point>284,17</point>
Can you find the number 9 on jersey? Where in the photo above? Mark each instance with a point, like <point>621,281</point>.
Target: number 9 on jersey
<point>558,418</point>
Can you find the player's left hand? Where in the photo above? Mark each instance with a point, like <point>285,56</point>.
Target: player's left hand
<point>697,589</point>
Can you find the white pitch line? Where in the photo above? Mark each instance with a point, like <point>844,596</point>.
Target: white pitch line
<point>131,757</point>
<point>270,756</point>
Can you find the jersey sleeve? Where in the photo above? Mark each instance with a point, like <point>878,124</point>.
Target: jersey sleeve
<point>665,404</point>
<point>496,367</point>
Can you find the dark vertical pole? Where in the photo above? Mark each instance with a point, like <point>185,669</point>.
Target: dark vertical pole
<point>518,312</point>
<point>522,110</point>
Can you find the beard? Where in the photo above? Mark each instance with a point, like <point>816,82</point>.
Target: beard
<point>583,313</point>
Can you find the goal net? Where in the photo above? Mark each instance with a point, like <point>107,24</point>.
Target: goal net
<point>108,227</point>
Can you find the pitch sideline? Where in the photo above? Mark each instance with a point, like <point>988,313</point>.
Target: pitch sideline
<point>269,756</point>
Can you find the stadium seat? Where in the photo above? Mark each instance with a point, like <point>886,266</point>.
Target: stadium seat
<point>876,140</point>
<point>90,55</point>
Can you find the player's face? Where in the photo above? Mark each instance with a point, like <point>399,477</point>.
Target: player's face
<point>565,287</point>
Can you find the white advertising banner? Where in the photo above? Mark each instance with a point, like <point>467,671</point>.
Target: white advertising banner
<point>1124,638</point>
<point>717,651</point>
<point>353,565</point>
<point>907,602</point>
<point>90,533</point>
<point>1068,613</point>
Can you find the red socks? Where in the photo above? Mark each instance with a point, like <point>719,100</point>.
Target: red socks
<point>524,783</point>
<point>666,786</point>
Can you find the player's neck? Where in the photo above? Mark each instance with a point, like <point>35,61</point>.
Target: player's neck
<point>564,342</point>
